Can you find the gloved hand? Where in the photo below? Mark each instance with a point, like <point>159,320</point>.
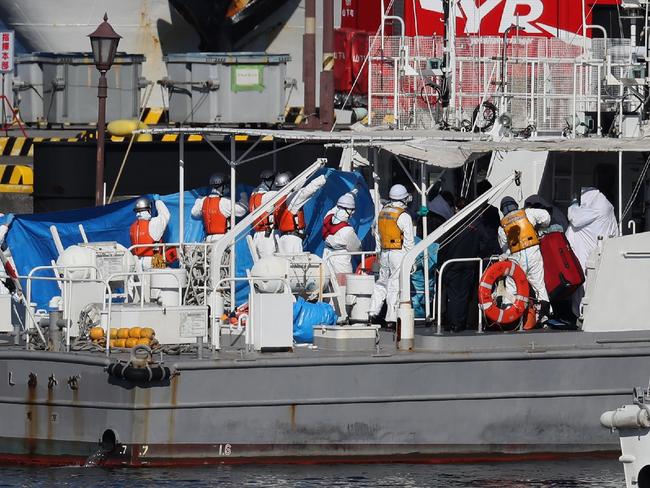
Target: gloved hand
<point>423,211</point>
<point>503,257</point>
<point>354,191</point>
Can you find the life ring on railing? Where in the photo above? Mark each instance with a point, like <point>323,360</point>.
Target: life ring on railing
<point>171,255</point>
<point>365,267</point>
<point>493,312</point>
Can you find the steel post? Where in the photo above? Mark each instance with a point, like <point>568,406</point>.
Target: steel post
<point>327,74</point>
<point>309,62</point>
<point>102,91</point>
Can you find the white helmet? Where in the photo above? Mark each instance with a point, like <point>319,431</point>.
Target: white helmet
<point>346,201</point>
<point>398,193</point>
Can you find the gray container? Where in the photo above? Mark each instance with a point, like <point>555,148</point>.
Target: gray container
<point>61,88</point>
<point>227,88</point>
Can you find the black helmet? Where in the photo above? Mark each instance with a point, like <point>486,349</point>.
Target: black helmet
<point>267,174</point>
<point>217,181</point>
<point>508,204</point>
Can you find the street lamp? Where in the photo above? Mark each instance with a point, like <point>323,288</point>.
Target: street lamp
<point>104,43</point>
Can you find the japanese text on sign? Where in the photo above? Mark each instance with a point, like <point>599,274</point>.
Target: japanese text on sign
<point>6,51</point>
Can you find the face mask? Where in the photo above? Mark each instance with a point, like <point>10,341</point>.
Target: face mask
<point>144,215</point>
<point>342,214</point>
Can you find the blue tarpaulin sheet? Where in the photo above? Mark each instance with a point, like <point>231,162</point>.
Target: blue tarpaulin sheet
<point>31,243</point>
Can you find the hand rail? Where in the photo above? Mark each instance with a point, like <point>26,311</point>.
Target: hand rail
<point>439,291</point>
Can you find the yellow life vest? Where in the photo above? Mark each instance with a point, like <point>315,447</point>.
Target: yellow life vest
<point>520,233</point>
<point>390,235</point>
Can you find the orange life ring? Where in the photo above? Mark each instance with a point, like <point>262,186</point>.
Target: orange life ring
<point>171,255</point>
<point>512,313</point>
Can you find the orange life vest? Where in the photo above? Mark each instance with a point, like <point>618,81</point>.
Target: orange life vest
<point>263,223</point>
<point>329,229</point>
<point>214,221</point>
<point>520,233</point>
<point>139,233</point>
<point>390,234</point>
<point>286,221</point>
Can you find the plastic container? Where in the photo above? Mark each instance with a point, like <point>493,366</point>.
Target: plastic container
<point>227,88</point>
<point>61,88</point>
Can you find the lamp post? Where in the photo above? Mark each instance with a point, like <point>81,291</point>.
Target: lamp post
<point>104,43</point>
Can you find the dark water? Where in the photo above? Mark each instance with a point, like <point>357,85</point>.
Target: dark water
<point>566,474</point>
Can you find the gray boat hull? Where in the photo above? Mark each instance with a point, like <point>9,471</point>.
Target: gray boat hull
<point>420,406</point>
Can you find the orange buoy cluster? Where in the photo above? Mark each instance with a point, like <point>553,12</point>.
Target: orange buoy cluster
<point>126,337</point>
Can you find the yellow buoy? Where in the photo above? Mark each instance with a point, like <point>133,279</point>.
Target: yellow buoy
<point>118,343</point>
<point>131,341</point>
<point>113,333</point>
<point>134,332</point>
<point>125,127</point>
<point>147,333</point>
<point>123,333</point>
<point>144,342</point>
<point>96,333</point>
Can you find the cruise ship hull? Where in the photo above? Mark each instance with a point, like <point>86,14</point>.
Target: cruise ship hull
<point>536,401</point>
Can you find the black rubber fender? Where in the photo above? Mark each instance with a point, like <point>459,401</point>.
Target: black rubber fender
<point>126,371</point>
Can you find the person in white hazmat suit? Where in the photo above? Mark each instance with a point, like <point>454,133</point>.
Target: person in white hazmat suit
<point>215,209</point>
<point>519,240</point>
<point>147,229</point>
<point>590,218</point>
<point>395,233</point>
<point>339,235</point>
<point>289,218</point>
<point>263,235</point>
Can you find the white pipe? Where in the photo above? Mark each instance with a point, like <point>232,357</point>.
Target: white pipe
<point>82,231</point>
<point>620,191</point>
<point>181,188</point>
<point>233,199</point>
<point>57,239</point>
<point>405,312</point>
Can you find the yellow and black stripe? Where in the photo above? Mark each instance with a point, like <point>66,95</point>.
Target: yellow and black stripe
<point>155,116</point>
<point>294,115</point>
<point>16,178</point>
<point>24,146</point>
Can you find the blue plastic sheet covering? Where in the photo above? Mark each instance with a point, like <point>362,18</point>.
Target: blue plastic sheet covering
<point>306,315</point>
<point>31,242</point>
<point>417,278</point>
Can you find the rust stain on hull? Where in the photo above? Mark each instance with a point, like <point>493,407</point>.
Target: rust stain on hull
<point>171,424</point>
<point>31,417</point>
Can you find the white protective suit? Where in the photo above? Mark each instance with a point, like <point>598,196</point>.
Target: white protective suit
<point>289,243</point>
<point>265,243</point>
<point>390,260</point>
<point>345,239</point>
<point>225,207</point>
<point>157,227</point>
<point>529,259</point>
<point>593,217</point>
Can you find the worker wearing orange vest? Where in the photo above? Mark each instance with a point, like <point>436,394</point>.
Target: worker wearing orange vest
<point>395,234</point>
<point>339,235</point>
<point>264,235</point>
<point>147,229</point>
<point>520,242</point>
<point>289,218</point>
<point>215,209</point>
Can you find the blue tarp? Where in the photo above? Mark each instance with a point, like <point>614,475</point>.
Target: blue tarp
<point>307,315</point>
<point>417,279</point>
<point>31,243</point>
